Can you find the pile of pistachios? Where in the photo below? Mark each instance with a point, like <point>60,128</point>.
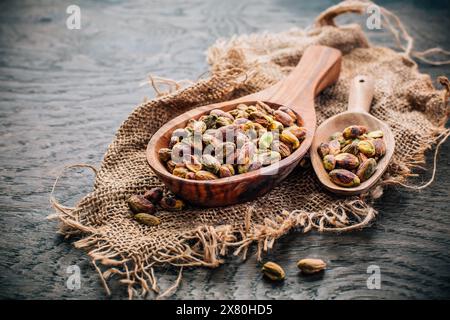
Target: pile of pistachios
<point>144,206</point>
<point>351,155</point>
<point>226,143</point>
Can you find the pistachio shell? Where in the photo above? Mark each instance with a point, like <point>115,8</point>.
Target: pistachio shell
<point>289,138</point>
<point>380,147</point>
<point>344,178</point>
<point>375,134</point>
<point>210,163</point>
<point>147,219</point>
<point>209,120</point>
<point>273,271</point>
<point>265,140</point>
<point>346,161</point>
<point>353,131</point>
<point>329,162</point>
<point>171,203</point>
<point>323,149</point>
<point>205,175</point>
<point>164,154</point>
<point>366,169</point>
<point>367,147</point>
<point>362,157</point>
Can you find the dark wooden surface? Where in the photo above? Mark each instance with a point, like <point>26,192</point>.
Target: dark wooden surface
<point>63,94</point>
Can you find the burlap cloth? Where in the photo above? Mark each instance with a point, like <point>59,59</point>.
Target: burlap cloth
<point>119,246</point>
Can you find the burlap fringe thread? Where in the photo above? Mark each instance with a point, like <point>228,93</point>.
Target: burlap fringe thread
<point>210,243</point>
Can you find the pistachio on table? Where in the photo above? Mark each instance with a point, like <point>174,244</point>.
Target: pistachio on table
<point>222,143</point>
<point>351,155</point>
<point>147,219</point>
<point>140,204</point>
<point>310,266</point>
<point>273,271</point>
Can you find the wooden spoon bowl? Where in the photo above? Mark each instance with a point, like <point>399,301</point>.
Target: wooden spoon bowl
<point>318,68</point>
<point>360,99</point>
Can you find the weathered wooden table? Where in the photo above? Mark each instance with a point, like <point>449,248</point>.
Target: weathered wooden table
<point>65,92</point>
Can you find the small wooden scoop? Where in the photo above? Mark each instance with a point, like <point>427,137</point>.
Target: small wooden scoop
<point>318,68</point>
<point>359,101</point>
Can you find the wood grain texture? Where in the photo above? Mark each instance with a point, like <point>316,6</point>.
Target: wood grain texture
<point>319,67</point>
<point>64,93</point>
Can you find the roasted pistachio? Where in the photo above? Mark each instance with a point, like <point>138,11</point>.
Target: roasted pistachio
<point>170,165</point>
<point>284,118</point>
<point>264,107</point>
<point>220,113</point>
<point>289,111</point>
<point>380,147</point>
<point>205,175</point>
<point>346,161</point>
<point>366,147</point>
<point>209,120</point>
<point>164,154</point>
<point>282,148</point>
<point>180,172</point>
<point>223,121</point>
<point>241,121</point>
<point>193,164</point>
<point>171,203</point>
<point>335,147</point>
<point>352,132</point>
<point>273,271</point>
<point>299,132</point>
<point>261,118</point>
<point>226,170</point>
<point>351,148</point>
<point>338,136</point>
<point>265,140</point>
<point>147,219</point>
<point>329,162</point>
<point>210,163</point>
<point>344,178</point>
<point>154,195</point>
<point>139,204</point>
<point>276,126</point>
<point>366,169</point>
<point>268,157</point>
<point>323,149</point>
<point>375,134</point>
<point>310,266</point>
<point>289,138</point>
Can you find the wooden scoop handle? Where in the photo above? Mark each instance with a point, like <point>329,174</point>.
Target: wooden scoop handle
<point>318,68</point>
<point>361,94</point>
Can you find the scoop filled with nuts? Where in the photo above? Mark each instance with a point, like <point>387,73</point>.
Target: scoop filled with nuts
<point>351,150</point>
<point>222,144</point>
<point>351,156</point>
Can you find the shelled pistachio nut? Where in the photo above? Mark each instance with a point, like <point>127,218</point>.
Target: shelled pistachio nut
<point>344,178</point>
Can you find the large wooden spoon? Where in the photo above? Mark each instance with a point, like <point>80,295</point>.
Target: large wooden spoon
<point>318,68</point>
<point>360,99</point>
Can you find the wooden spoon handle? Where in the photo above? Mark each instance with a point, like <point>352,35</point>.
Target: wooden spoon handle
<point>318,68</point>
<point>361,94</point>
